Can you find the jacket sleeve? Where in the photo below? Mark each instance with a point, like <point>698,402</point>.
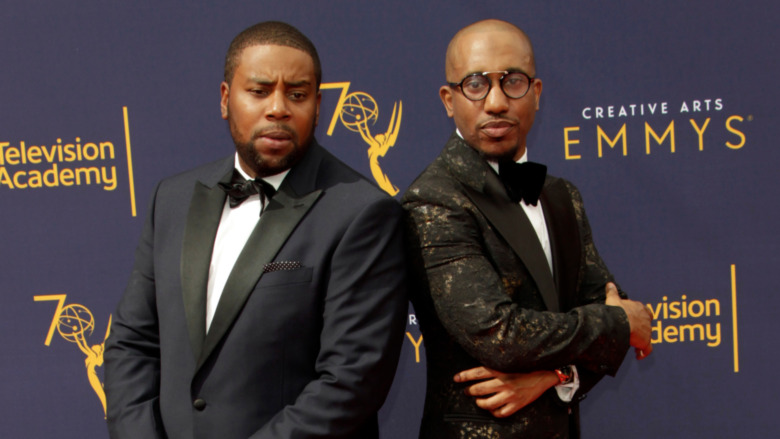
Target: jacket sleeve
<point>132,354</point>
<point>594,278</point>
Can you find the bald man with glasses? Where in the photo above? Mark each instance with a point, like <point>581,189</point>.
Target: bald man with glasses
<point>519,314</point>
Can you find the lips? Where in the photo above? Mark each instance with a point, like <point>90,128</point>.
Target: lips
<point>276,137</point>
<point>498,128</point>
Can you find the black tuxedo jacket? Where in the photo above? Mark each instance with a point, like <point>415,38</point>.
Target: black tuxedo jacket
<point>300,350</point>
<point>484,295</point>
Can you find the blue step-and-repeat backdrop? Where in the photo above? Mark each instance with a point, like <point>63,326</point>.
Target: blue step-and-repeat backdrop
<point>663,113</point>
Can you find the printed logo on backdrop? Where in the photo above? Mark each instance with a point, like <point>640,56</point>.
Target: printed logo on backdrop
<point>642,129</point>
<point>695,126</point>
<point>413,335</point>
<point>75,324</point>
<point>697,318</point>
<point>359,112</point>
<point>70,163</point>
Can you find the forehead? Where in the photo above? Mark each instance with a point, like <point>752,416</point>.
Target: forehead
<point>485,51</point>
<point>271,61</point>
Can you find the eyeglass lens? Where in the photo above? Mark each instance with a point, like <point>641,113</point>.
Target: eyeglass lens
<point>477,86</point>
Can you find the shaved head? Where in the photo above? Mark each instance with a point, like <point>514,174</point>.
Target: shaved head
<point>495,125</point>
<point>479,33</point>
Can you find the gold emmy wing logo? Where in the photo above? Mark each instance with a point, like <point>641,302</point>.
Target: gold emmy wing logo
<point>75,323</point>
<point>358,112</point>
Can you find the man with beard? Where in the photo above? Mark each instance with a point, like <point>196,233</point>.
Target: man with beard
<point>519,314</point>
<point>267,298</point>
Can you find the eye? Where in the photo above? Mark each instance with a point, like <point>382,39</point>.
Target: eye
<point>515,80</point>
<point>298,95</point>
<point>259,92</point>
<point>474,83</point>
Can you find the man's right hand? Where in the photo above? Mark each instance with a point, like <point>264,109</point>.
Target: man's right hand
<point>503,394</point>
<point>639,319</point>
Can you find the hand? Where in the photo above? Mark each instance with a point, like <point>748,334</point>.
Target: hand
<point>639,319</point>
<point>508,392</point>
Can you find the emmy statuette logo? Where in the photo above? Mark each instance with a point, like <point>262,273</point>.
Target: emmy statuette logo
<point>75,323</point>
<point>358,112</point>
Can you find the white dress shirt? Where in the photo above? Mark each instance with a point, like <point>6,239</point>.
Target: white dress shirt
<point>235,226</point>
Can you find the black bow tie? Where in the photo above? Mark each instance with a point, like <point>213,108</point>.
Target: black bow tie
<point>239,189</point>
<point>523,181</point>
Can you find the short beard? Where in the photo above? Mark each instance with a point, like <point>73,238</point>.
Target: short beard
<point>508,157</point>
<point>262,167</point>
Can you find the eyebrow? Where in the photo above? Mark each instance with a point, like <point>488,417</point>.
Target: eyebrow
<point>509,69</point>
<point>269,82</point>
<point>301,83</point>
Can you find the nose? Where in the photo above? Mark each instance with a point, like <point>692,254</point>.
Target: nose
<point>277,106</point>
<point>496,102</point>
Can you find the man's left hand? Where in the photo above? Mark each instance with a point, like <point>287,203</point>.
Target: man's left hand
<point>505,393</point>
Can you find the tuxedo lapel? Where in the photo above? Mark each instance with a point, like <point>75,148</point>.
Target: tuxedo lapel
<point>487,192</point>
<point>276,225</point>
<point>512,223</point>
<point>283,213</point>
<point>564,240</point>
<point>201,228</point>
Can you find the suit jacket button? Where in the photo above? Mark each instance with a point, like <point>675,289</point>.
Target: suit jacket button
<point>199,404</point>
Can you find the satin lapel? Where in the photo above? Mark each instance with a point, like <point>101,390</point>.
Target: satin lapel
<point>512,223</point>
<point>564,240</point>
<point>202,223</point>
<point>277,223</point>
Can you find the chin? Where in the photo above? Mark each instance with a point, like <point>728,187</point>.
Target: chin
<point>275,164</point>
<point>265,167</point>
<point>496,152</point>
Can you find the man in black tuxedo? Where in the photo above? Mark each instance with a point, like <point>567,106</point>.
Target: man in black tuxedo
<point>267,308</point>
<point>519,314</point>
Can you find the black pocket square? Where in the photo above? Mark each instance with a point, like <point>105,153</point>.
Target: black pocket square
<point>281,266</point>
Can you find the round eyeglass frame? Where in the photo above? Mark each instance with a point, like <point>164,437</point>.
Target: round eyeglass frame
<point>504,75</point>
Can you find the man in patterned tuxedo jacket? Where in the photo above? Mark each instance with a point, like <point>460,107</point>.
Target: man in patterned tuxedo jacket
<point>519,314</point>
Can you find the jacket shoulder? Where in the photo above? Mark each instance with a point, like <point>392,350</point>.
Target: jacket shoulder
<point>209,173</point>
<point>338,178</point>
<point>435,181</point>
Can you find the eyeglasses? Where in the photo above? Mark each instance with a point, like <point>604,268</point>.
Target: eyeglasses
<point>476,86</point>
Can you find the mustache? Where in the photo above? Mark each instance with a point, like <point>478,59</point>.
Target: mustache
<point>275,128</point>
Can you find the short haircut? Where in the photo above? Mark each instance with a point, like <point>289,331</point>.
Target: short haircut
<point>270,33</point>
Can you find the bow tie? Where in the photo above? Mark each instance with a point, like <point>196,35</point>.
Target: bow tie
<point>239,189</point>
<point>523,181</point>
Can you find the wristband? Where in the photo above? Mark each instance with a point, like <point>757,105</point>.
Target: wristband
<point>565,375</point>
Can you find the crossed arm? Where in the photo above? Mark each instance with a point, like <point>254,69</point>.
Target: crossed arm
<point>505,393</point>
<point>517,345</point>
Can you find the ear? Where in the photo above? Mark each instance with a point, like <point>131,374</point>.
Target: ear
<point>317,108</point>
<point>445,93</point>
<point>224,91</point>
<point>537,91</point>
